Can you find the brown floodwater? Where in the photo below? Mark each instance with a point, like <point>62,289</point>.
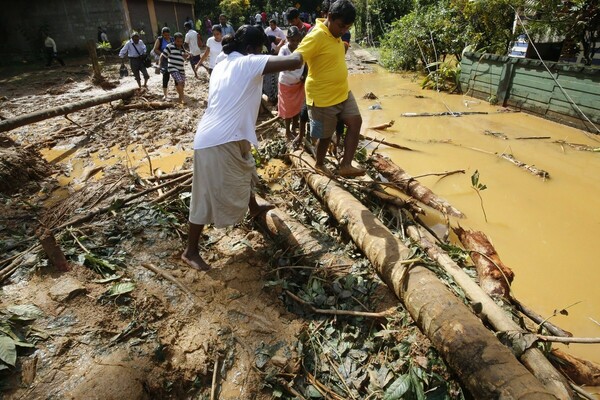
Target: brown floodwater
<point>545,230</point>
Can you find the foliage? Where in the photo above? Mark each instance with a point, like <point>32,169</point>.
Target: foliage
<point>105,46</point>
<point>15,331</point>
<point>443,76</point>
<point>427,35</point>
<point>236,10</point>
<point>577,21</point>
<point>478,187</point>
<point>374,17</point>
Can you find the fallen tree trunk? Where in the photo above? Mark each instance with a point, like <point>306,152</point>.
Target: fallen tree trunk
<point>280,224</point>
<point>412,187</point>
<point>532,169</point>
<point>533,358</point>
<point>150,105</point>
<point>494,277</point>
<point>41,115</point>
<point>487,369</point>
<point>581,372</point>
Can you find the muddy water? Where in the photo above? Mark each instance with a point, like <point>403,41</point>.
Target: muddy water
<point>546,231</point>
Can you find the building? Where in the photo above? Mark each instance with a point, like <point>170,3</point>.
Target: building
<point>73,22</point>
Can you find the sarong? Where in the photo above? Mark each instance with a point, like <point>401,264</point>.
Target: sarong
<point>222,184</point>
<point>291,99</point>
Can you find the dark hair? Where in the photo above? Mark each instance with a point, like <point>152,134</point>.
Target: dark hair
<point>246,36</point>
<point>344,10</point>
<point>217,28</point>
<point>325,7</point>
<point>292,13</point>
<point>188,25</point>
<point>272,21</point>
<point>222,15</point>
<point>178,35</point>
<point>292,31</point>
<point>165,30</point>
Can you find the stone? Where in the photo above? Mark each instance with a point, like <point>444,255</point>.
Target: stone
<point>66,288</point>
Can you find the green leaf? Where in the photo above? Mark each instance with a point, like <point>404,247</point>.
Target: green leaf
<point>313,393</point>
<point>121,288</point>
<point>398,388</point>
<point>8,350</point>
<point>25,312</point>
<point>475,178</point>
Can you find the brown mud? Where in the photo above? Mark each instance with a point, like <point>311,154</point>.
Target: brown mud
<point>156,342</point>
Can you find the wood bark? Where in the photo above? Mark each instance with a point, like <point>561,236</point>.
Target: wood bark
<point>41,115</point>
<point>412,187</point>
<point>280,224</point>
<point>52,249</point>
<point>494,277</point>
<point>533,359</point>
<point>581,372</point>
<point>538,319</point>
<point>385,142</point>
<point>97,77</point>
<point>487,369</point>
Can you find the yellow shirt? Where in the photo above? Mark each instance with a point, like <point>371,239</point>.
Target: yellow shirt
<point>327,81</point>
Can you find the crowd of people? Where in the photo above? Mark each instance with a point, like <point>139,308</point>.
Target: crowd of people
<point>313,98</point>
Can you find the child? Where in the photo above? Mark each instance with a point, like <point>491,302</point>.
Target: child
<point>213,48</point>
<point>176,55</point>
<point>291,87</point>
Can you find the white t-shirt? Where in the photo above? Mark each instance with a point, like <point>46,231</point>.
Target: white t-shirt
<point>191,38</point>
<point>215,48</point>
<point>234,97</point>
<point>289,77</point>
<point>258,18</point>
<point>277,33</point>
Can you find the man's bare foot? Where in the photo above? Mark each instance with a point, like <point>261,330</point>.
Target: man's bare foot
<point>323,170</point>
<point>350,172</point>
<point>256,210</point>
<point>195,261</point>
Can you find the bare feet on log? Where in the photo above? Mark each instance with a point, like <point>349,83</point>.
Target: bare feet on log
<point>256,210</point>
<point>195,261</point>
<point>323,170</point>
<point>350,172</point>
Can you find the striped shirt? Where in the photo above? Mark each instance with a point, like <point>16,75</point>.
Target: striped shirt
<point>175,57</point>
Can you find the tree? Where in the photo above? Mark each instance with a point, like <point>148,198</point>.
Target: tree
<point>236,10</point>
<point>576,21</point>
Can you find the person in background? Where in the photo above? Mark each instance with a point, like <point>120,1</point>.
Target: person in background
<point>328,95</point>
<point>213,49</point>
<point>258,18</point>
<point>102,36</point>
<point>207,26</point>
<point>176,56</point>
<point>159,46</point>
<point>192,43</point>
<point>274,30</point>
<point>291,88</point>
<point>293,18</point>
<point>226,28</point>
<point>51,53</point>
<point>263,18</point>
<point>224,168</point>
<point>135,50</point>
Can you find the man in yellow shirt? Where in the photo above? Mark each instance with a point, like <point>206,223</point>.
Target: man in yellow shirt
<point>327,93</point>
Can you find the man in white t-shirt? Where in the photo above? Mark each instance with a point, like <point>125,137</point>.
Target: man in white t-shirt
<point>258,19</point>
<point>192,43</point>
<point>274,30</point>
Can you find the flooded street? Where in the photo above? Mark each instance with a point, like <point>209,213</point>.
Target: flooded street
<point>545,230</point>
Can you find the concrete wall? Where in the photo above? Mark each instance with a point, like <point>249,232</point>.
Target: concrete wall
<point>525,84</point>
<point>69,22</point>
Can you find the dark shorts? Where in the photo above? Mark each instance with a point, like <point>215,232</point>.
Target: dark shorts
<point>194,60</point>
<point>323,120</point>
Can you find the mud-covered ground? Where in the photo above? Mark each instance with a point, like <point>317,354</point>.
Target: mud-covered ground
<point>111,328</point>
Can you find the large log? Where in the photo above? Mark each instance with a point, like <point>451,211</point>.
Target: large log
<point>533,359</point>
<point>582,372</point>
<point>494,277</point>
<point>41,115</point>
<point>487,369</point>
<point>412,187</point>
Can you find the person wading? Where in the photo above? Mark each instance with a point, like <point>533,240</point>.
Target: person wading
<point>223,164</point>
<point>135,49</point>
